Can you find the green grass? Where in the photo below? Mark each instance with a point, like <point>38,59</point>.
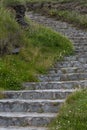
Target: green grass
<point>10,31</point>
<point>40,48</point>
<point>76,18</point>
<point>73,114</point>
<point>60,1</point>
<point>12,2</point>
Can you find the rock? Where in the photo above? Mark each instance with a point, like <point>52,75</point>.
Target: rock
<point>16,51</point>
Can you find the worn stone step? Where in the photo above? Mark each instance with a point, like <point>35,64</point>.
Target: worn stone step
<point>76,58</point>
<point>79,39</point>
<point>78,36</point>
<point>80,54</point>
<point>73,62</point>
<point>40,106</point>
<point>77,33</point>
<point>70,64</point>
<point>82,47</point>
<point>80,51</point>
<point>25,119</point>
<point>79,42</point>
<point>67,70</point>
<point>63,77</point>
<point>55,85</point>
<point>82,43</point>
<point>80,33</point>
<point>37,94</point>
<point>23,128</point>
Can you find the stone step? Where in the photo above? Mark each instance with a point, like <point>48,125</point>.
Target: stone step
<point>81,47</point>
<point>76,58</point>
<point>80,51</point>
<point>40,106</point>
<point>55,85</point>
<point>79,39</point>
<point>80,54</point>
<point>37,94</point>
<point>67,70</point>
<point>25,119</point>
<point>67,61</point>
<point>63,77</point>
<point>77,36</point>
<point>65,64</point>
<point>77,33</point>
<point>23,128</point>
<point>79,44</point>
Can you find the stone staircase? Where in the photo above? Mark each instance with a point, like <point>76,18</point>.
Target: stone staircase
<point>35,106</point>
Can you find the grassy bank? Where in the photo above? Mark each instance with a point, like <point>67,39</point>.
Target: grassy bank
<point>79,20</point>
<point>39,49</point>
<point>74,12</point>
<point>73,115</point>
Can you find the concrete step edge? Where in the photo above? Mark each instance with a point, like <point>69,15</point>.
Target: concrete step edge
<point>68,74</point>
<point>38,90</point>
<point>23,128</point>
<point>32,101</point>
<point>52,82</point>
<point>26,114</point>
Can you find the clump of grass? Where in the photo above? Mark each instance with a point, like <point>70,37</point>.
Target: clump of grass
<point>8,77</point>
<point>73,114</point>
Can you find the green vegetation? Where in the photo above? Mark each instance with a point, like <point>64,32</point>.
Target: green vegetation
<point>12,2</point>
<point>39,48</point>
<point>73,114</point>
<point>8,2</point>
<point>74,12</point>
<point>60,1</point>
<point>76,18</point>
<point>10,31</point>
